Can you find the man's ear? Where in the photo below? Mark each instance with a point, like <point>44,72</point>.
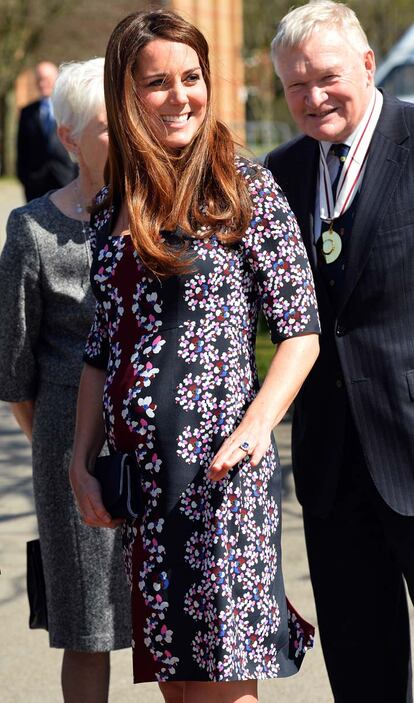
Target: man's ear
<point>369,61</point>
<point>68,141</point>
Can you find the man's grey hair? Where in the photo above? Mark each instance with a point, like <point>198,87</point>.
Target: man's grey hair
<point>298,25</point>
<point>78,94</point>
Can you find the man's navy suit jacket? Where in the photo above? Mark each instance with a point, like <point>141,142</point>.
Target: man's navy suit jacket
<point>366,363</point>
<point>43,163</point>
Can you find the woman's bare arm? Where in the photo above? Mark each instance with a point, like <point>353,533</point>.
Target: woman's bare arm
<point>291,364</point>
<point>88,442</point>
<point>23,412</point>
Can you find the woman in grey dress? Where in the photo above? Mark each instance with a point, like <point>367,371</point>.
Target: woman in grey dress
<point>45,314</point>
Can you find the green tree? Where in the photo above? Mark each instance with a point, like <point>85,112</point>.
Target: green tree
<point>384,21</point>
<point>22,25</point>
<point>53,30</point>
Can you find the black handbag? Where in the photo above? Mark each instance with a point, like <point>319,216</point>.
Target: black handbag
<point>36,589</point>
<point>120,480</point>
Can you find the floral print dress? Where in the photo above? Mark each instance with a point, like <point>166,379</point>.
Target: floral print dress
<point>204,565</point>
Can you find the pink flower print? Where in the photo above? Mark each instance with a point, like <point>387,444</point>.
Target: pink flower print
<point>147,406</point>
<point>201,291</point>
<point>155,550</point>
<point>160,582</point>
<point>203,645</point>
<point>197,602</point>
<point>220,369</point>
<point>144,427</point>
<point>257,486</point>
<point>153,465</point>
<point>103,193</point>
<point>257,592</point>
<point>197,343</point>
<point>144,374</point>
<point>219,527</point>
<point>197,291</point>
<point>270,667</point>
<point>153,492</point>
<point>104,253</point>
<point>165,635</point>
<point>218,576</point>
<point>194,502</point>
<point>152,299</point>
<point>196,553</point>
<point>193,444</point>
<point>234,503</point>
<point>228,267</point>
<point>237,562</point>
<point>222,313</point>
<point>271,614</point>
<point>171,662</point>
<point>155,525</point>
<point>156,345</point>
<point>250,641</point>
<point>149,322</point>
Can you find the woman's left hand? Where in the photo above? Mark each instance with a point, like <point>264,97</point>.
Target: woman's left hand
<point>253,435</point>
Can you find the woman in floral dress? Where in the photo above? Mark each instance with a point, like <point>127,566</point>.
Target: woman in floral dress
<point>191,242</point>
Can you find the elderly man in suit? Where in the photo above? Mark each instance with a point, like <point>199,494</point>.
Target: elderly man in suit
<point>43,164</point>
<point>349,178</point>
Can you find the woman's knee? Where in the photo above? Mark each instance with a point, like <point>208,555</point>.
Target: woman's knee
<point>221,692</point>
<point>86,659</point>
<point>173,691</point>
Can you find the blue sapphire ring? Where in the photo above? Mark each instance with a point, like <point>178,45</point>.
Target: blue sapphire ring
<point>245,446</point>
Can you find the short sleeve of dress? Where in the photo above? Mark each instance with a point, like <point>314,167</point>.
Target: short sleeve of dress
<point>97,345</point>
<point>278,259</point>
<point>20,310</point>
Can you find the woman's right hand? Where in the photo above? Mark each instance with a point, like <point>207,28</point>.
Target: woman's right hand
<point>87,493</point>
<point>88,442</point>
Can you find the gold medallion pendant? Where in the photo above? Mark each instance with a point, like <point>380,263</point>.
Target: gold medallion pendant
<point>332,245</point>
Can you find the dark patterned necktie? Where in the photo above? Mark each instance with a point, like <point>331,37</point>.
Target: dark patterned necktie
<point>333,273</point>
<point>341,152</point>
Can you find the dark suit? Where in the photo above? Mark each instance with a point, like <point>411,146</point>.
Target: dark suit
<point>43,163</point>
<point>353,429</point>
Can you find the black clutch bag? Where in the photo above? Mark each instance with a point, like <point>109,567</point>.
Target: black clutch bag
<point>120,481</point>
<point>36,590</point>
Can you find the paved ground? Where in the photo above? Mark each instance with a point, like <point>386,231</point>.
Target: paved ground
<point>29,670</point>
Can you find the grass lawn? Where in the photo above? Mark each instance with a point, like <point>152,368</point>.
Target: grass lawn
<point>264,352</point>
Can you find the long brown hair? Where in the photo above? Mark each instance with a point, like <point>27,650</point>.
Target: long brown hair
<point>197,187</point>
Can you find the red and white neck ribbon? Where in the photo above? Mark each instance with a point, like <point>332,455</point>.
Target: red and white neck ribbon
<point>353,168</point>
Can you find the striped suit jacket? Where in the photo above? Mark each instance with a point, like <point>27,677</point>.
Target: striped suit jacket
<point>366,363</point>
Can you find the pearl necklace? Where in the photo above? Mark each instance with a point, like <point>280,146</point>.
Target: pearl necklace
<point>80,210</point>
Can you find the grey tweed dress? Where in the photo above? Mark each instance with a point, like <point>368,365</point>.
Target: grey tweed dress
<point>45,315</point>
